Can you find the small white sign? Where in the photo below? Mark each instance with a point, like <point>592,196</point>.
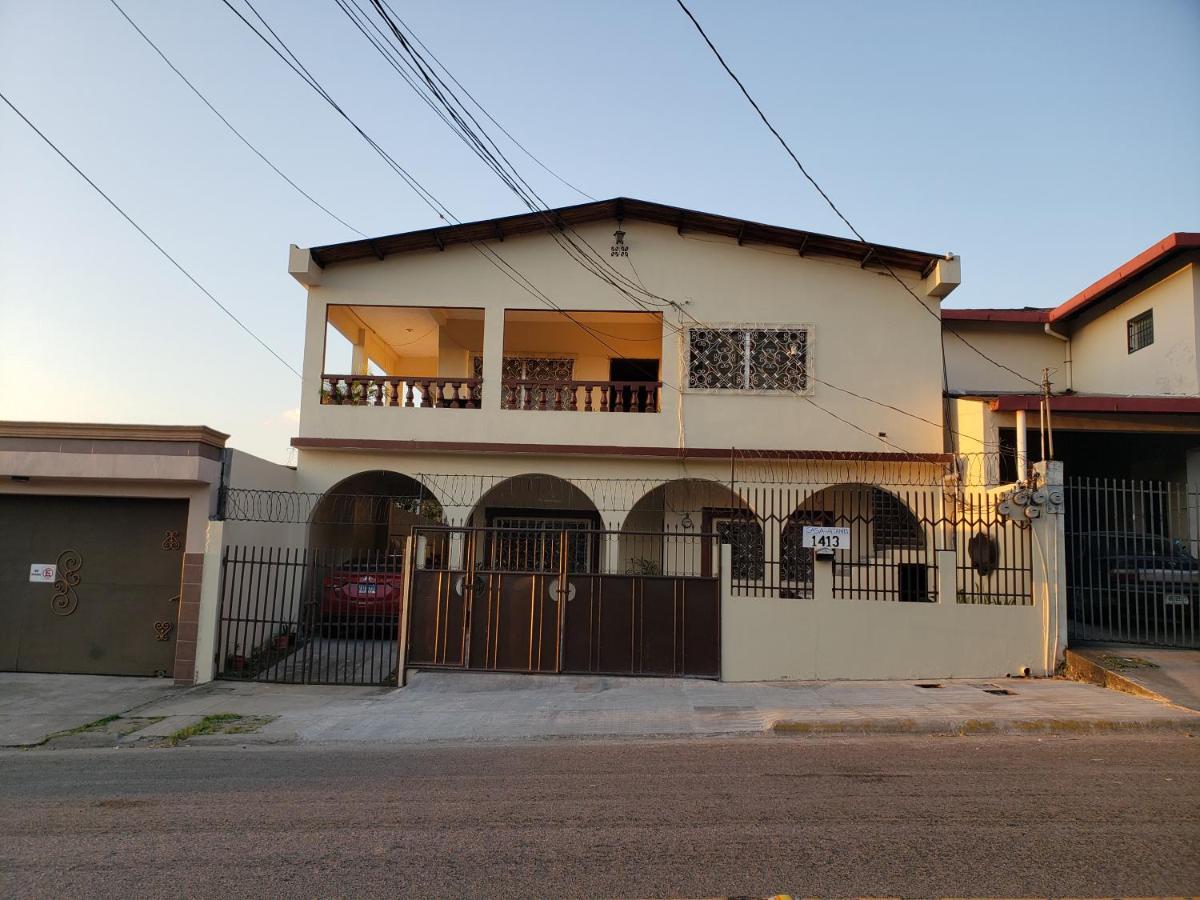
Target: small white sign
<point>826,537</point>
<point>40,572</point>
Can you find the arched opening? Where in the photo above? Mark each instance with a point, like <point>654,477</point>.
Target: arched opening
<point>526,516</point>
<point>880,524</point>
<point>372,512</point>
<point>657,535</point>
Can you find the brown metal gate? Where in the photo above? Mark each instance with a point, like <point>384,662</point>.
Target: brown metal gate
<point>114,605</point>
<point>549,600</point>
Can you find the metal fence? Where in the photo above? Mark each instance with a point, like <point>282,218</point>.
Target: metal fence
<point>1132,568</point>
<point>309,616</point>
<point>893,536</point>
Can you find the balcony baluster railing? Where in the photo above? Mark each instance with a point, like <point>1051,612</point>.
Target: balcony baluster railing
<point>588,396</point>
<point>401,390</point>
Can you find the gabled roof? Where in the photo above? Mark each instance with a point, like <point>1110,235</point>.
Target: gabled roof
<point>1169,249</point>
<point>1167,256</point>
<point>685,220</point>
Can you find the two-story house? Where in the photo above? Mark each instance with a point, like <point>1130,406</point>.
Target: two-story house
<point>653,352</point>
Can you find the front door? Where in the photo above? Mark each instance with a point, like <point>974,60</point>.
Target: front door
<point>625,396</point>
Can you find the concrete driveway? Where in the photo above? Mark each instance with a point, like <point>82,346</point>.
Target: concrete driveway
<point>34,706</point>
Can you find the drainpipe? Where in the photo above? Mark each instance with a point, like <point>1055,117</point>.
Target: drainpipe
<point>1066,340</point>
<point>1022,447</point>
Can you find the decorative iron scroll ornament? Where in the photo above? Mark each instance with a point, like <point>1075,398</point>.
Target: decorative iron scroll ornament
<point>162,630</point>
<point>64,600</point>
<point>171,541</point>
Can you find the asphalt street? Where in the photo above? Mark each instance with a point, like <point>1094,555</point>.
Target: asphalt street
<point>1014,816</point>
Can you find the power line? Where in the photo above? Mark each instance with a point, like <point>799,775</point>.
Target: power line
<point>143,233</point>
<point>832,205</point>
<point>241,137</point>
<point>503,168</point>
<point>440,209</point>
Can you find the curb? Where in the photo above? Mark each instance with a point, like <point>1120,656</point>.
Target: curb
<point>1080,668</point>
<point>968,727</point>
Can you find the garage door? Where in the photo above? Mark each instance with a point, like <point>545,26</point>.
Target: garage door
<point>114,606</point>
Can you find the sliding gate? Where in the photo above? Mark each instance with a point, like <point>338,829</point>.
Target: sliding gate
<point>565,598</point>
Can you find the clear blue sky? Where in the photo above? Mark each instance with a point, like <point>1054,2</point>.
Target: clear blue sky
<point>1045,142</point>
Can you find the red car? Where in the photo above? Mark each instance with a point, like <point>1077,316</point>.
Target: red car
<point>362,594</point>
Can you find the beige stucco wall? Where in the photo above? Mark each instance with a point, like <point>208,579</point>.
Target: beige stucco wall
<point>764,639</point>
<point>1099,348</point>
<point>866,336</point>
<point>1024,347</point>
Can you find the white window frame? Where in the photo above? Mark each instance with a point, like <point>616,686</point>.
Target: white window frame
<point>806,327</point>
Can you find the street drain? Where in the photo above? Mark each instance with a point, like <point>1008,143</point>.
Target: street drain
<point>929,684</point>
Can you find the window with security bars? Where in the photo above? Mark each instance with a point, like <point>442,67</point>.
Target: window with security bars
<point>748,359</point>
<point>745,539</point>
<point>893,524</point>
<point>1141,330</point>
<point>534,544</point>
<point>551,370</point>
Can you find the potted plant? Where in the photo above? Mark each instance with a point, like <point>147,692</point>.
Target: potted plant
<point>236,661</point>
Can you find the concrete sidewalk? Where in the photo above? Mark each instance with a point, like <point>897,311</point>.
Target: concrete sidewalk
<point>472,707</point>
<point>1166,673</point>
<point>495,707</point>
<point>33,707</point>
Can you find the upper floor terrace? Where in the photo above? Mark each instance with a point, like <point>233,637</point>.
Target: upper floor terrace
<point>621,324</point>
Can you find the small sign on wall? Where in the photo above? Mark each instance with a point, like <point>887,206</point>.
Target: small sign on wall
<point>826,537</point>
<point>43,572</point>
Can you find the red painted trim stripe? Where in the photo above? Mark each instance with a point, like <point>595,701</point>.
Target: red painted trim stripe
<point>1078,403</point>
<point>605,450</point>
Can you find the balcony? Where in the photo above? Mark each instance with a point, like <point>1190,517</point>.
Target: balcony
<point>581,361</point>
<point>433,358</point>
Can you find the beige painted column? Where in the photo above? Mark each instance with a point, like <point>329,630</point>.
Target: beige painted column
<point>1050,565</point>
<point>493,355</point>
<point>947,575</point>
<point>358,354</point>
<point>823,579</point>
<point>210,604</point>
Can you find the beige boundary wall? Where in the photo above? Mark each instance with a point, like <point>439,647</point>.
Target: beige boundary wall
<point>767,638</point>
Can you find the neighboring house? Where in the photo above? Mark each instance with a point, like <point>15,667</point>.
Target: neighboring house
<point>1124,420</point>
<point>104,531</point>
<point>1124,372</point>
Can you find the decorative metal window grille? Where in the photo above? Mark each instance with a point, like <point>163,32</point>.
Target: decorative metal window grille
<point>477,366</point>
<point>533,544</point>
<point>894,525</point>
<point>537,368</point>
<point>748,359</point>
<point>745,539</point>
<point>1141,330</point>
